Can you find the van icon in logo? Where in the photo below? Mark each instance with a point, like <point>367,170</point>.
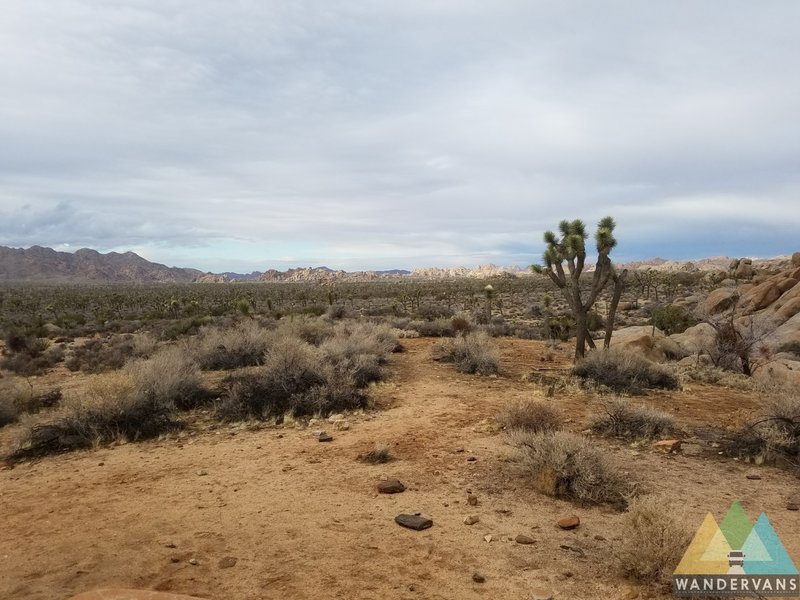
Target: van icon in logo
<point>735,558</point>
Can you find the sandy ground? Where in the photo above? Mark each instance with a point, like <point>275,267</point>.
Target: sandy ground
<point>303,518</point>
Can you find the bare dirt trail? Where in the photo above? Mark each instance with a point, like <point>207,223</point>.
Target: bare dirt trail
<point>304,520</point>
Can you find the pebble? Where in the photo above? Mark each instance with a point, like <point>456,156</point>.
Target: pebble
<point>228,562</point>
<point>193,561</point>
<point>325,437</point>
<point>570,522</point>
<point>472,500</point>
<point>478,578</point>
<point>488,538</point>
<point>391,486</point>
<point>170,545</point>
<point>524,539</point>
<point>202,473</point>
<point>753,477</point>
<point>471,520</point>
<point>793,506</point>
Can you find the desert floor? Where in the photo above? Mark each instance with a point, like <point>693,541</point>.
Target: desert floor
<point>303,518</point>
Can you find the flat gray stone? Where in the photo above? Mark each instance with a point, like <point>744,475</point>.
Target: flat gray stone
<point>415,522</point>
<point>391,486</point>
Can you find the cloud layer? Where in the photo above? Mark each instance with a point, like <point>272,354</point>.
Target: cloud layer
<point>249,135</point>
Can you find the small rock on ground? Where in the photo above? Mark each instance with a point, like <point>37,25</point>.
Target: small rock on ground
<point>794,506</point>
<point>391,486</point>
<point>524,539</point>
<point>472,500</point>
<point>228,562</point>
<point>325,437</point>
<point>478,578</point>
<point>570,522</point>
<point>415,522</point>
<point>471,520</point>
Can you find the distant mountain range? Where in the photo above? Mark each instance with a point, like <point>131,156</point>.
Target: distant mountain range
<point>85,265</point>
<point>39,264</point>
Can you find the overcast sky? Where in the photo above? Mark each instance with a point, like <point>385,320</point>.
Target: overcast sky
<point>251,134</point>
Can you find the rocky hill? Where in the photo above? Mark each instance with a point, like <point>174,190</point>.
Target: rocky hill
<point>714,263</point>
<point>85,265</point>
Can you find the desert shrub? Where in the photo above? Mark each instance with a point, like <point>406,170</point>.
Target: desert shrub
<point>377,456</point>
<point>28,355</point>
<point>301,379</point>
<point>471,353</point>
<point>291,368</point>
<point>775,433</point>
<point>336,312</point>
<point>653,540</point>
<point>594,322</point>
<point>360,350</point>
<point>97,355</point>
<point>624,372</point>
<point>561,327</point>
<point>433,312</point>
<point>460,325</point>
<point>10,394</point>
<point>528,332</point>
<point>621,419</point>
<point>311,330</point>
<point>243,345</point>
<point>170,378</point>
<point>437,328</point>
<point>111,408</point>
<point>672,319</point>
<point>184,327</point>
<point>530,415</point>
<point>567,466</point>
<point>497,327</point>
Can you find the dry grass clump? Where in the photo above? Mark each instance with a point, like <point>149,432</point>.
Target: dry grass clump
<point>111,408</point>
<point>624,372</point>
<point>171,377</point>
<point>309,329</point>
<point>622,419</point>
<point>377,456</point>
<point>531,416</point>
<point>17,400</point>
<point>472,353</point>
<point>774,435</point>
<point>654,538</point>
<point>10,394</point>
<point>566,465</point>
<point>243,345</point>
<point>435,328</point>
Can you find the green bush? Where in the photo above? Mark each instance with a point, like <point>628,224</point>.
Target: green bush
<point>672,319</point>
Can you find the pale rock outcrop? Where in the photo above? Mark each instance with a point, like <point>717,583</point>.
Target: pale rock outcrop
<point>646,341</point>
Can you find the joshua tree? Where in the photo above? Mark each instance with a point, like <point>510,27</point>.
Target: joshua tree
<point>570,249</point>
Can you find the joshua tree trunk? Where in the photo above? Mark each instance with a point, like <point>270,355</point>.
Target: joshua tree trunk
<point>619,286</point>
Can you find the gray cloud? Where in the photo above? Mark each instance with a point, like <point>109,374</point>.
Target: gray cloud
<point>378,134</point>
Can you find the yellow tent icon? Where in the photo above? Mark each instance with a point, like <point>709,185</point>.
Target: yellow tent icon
<point>708,552</point>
